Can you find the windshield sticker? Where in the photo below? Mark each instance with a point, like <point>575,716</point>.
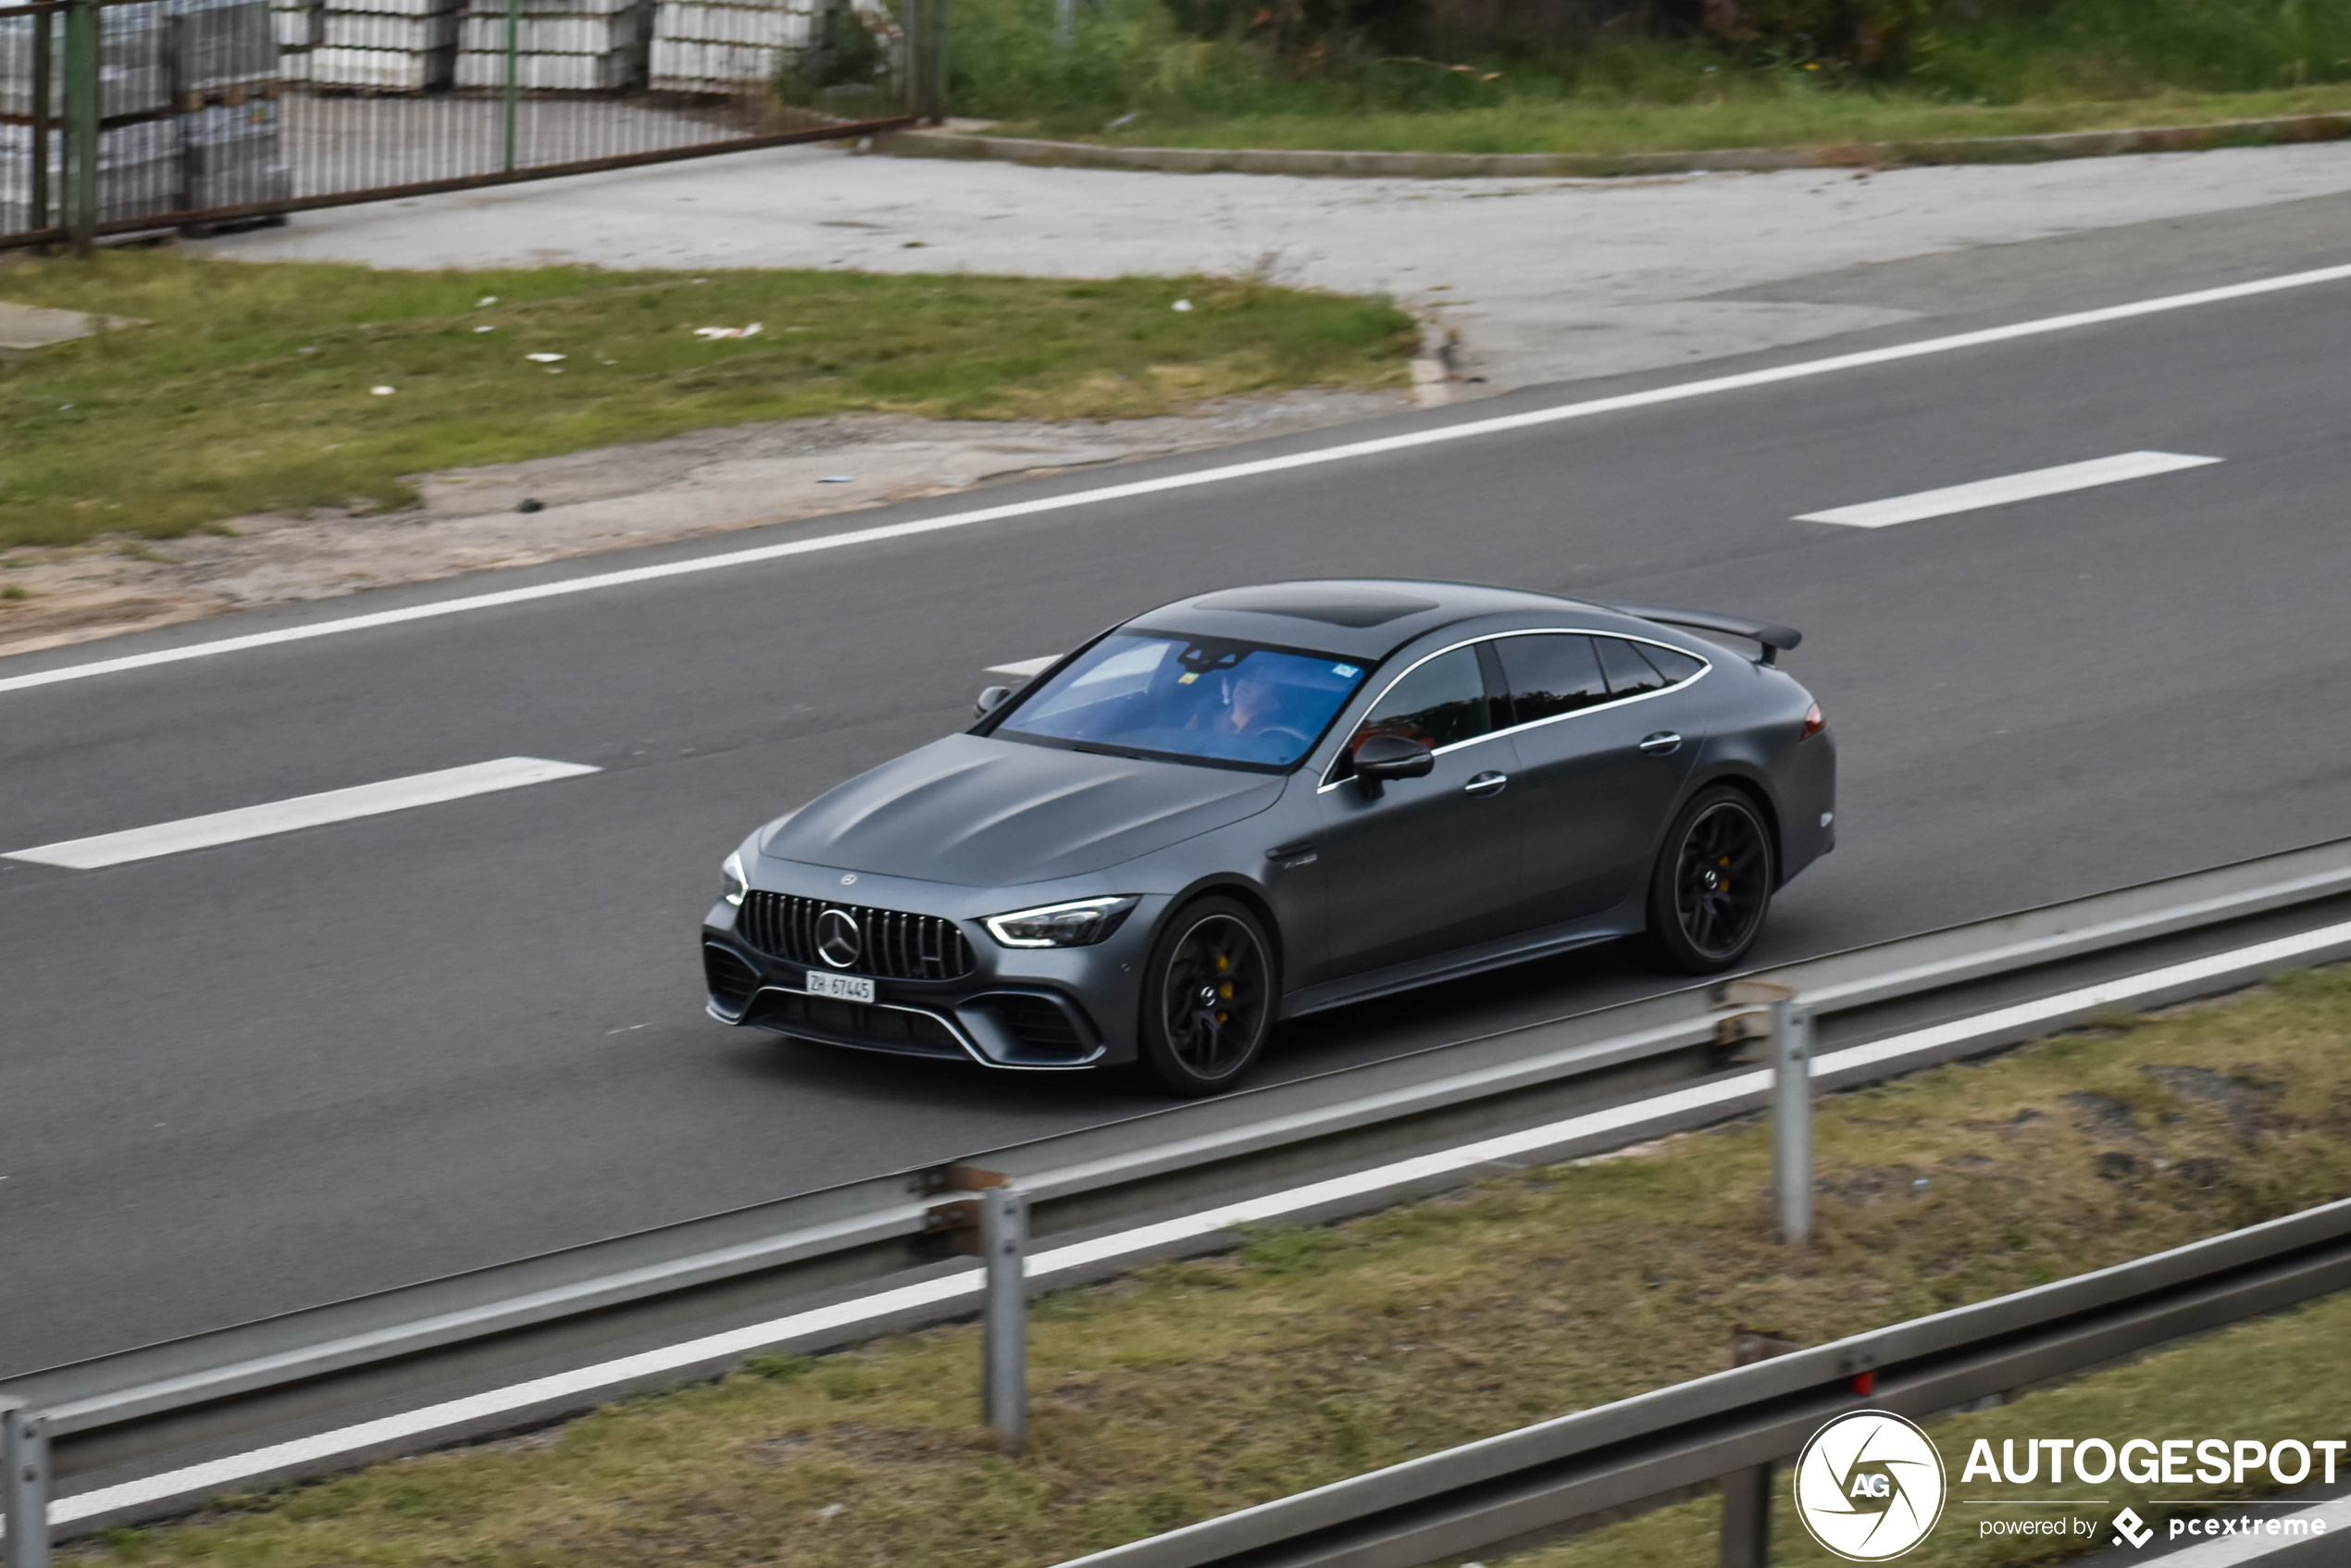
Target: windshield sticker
<point>1344,672</point>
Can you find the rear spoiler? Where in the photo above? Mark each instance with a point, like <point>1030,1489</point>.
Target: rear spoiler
<point>1776,639</point>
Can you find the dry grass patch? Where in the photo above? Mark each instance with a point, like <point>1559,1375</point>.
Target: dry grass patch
<point>1192,1388</point>
<point>252,386</point>
<point>2283,1377</point>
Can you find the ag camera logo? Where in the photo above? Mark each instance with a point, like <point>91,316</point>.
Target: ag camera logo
<point>1868,1486</point>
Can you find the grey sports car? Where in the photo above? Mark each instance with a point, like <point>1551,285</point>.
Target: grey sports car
<point>1261,802</point>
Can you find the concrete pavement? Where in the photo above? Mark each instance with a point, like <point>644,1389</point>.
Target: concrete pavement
<point>1544,279</point>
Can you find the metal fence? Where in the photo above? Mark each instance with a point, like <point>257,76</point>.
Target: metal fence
<point>122,115</point>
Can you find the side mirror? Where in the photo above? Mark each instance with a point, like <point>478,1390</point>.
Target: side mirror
<point>989,699</point>
<point>1383,757</point>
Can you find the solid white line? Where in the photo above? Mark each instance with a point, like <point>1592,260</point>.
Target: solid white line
<point>1345,452</point>
<point>302,810</point>
<point>2008,488</point>
<point>2333,1517</point>
<point>965,1284</point>
<point>1023,669</point>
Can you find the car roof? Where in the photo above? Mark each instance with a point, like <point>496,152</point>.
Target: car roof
<point>1360,618</point>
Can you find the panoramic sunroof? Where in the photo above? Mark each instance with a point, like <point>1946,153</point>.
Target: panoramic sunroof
<point>1355,606</point>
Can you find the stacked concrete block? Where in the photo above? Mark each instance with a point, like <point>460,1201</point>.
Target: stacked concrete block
<point>140,172</point>
<point>560,45</point>
<point>720,46</point>
<point>16,63</point>
<point>221,50</point>
<point>296,25</point>
<point>385,46</point>
<point>135,75</point>
<point>236,154</point>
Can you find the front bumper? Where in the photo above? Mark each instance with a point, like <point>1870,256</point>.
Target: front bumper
<point>1025,1009</point>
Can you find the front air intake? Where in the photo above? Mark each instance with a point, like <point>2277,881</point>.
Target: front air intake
<point>732,981</point>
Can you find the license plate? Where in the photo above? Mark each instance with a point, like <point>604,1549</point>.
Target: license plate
<point>849,987</point>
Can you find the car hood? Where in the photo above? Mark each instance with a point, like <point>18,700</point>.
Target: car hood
<point>986,813</point>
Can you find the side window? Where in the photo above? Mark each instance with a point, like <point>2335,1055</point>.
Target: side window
<point>1674,666</point>
<point>1441,703</point>
<point>1629,673</point>
<point>1549,675</point>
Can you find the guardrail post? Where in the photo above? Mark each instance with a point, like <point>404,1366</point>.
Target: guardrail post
<point>80,193</point>
<point>24,1499</point>
<point>1746,1518</point>
<point>1003,1240</point>
<point>1791,1047</point>
<point>1785,1029</point>
<point>1747,1494</point>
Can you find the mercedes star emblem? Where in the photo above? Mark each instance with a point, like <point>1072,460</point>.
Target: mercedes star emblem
<point>838,939</point>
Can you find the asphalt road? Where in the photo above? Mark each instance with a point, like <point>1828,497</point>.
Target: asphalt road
<point>248,1078</point>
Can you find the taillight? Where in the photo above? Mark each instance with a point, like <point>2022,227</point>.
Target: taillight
<point>1813,722</point>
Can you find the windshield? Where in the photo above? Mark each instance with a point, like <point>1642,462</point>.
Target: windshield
<point>1197,697</point>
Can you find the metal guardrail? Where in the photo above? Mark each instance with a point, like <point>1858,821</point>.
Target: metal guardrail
<point>1545,1476</point>
<point>1975,987</point>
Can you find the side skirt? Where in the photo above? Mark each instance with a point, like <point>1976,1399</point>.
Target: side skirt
<point>1622,921</point>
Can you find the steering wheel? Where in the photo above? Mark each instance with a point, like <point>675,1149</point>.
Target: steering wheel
<point>1283,731</point>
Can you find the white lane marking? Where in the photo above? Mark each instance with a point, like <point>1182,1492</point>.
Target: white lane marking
<point>235,1468</point>
<point>1467,431</point>
<point>1023,669</point>
<point>302,811</point>
<point>2332,1518</point>
<point>2008,488</point>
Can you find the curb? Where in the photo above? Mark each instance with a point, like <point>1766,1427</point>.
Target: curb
<point>1457,166</point>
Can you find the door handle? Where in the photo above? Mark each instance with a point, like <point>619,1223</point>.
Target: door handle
<point>1488,783</point>
<point>1663,743</point>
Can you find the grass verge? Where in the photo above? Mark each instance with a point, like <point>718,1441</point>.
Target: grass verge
<point>2277,1376</point>
<point>1600,125</point>
<point>251,387</point>
<point>1187,1390</point>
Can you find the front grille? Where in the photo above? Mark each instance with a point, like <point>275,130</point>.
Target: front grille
<point>731,980</point>
<point>891,944</point>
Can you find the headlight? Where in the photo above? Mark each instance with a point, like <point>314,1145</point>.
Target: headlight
<point>732,883</point>
<point>1062,925</point>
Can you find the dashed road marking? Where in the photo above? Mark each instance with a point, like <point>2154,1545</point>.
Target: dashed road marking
<point>302,811</point>
<point>2008,488</point>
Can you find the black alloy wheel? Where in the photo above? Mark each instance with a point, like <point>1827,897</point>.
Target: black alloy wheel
<point>1712,886</point>
<point>1208,998</point>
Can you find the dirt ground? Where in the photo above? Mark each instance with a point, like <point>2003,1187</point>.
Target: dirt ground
<point>608,499</point>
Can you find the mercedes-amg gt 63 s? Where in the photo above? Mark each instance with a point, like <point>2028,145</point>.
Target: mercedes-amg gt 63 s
<point>1256,804</point>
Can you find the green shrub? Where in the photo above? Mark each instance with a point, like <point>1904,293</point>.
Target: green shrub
<point>1187,60</point>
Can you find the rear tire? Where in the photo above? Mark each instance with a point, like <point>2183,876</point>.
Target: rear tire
<point>1210,990</point>
<point>1712,884</point>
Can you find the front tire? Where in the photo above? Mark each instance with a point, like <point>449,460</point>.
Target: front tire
<point>1210,991</point>
<point>1712,884</point>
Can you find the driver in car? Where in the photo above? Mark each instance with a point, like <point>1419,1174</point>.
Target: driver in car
<point>1253,709</point>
